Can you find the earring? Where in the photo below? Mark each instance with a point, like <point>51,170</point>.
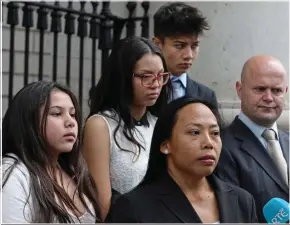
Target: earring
<point>166,151</point>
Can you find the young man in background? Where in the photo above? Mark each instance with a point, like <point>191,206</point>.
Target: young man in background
<point>177,31</point>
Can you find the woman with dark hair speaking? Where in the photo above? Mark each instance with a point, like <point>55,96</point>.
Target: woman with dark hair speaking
<point>179,185</point>
<point>45,177</point>
<point>123,110</point>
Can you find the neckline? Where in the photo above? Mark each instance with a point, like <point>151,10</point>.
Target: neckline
<point>71,213</point>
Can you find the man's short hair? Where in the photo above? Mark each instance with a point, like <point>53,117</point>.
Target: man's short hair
<point>174,19</point>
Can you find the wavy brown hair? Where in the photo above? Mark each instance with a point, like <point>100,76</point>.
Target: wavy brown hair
<point>23,136</point>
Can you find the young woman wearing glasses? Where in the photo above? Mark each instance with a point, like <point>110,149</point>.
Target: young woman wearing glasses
<point>124,107</point>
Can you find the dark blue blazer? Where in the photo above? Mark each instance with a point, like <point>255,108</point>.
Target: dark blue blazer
<point>196,89</point>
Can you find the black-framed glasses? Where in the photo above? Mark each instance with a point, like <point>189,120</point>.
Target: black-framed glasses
<point>148,80</point>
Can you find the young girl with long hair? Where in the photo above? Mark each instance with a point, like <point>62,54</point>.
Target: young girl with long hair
<point>45,177</point>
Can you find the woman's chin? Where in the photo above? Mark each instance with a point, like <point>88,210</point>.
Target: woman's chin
<point>151,102</point>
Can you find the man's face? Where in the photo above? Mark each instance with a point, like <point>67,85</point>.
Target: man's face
<point>179,52</point>
<point>262,95</point>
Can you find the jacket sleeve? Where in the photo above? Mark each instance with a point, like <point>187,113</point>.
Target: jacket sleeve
<point>122,212</point>
<point>16,207</point>
<point>254,218</point>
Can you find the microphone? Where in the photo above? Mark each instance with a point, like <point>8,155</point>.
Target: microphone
<point>276,211</point>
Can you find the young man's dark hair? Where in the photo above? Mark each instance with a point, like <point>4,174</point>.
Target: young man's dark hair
<point>177,31</point>
<point>178,19</point>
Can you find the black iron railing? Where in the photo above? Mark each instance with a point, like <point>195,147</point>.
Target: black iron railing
<point>103,27</point>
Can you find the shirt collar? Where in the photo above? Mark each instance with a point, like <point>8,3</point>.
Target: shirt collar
<point>255,128</point>
<point>182,78</point>
<point>143,121</point>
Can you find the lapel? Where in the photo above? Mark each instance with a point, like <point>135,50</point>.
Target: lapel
<point>191,87</point>
<point>173,198</point>
<point>284,142</point>
<point>252,146</point>
<point>227,200</point>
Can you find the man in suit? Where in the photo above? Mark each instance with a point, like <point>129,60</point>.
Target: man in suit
<point>177,31</point>
<point>255,154</point>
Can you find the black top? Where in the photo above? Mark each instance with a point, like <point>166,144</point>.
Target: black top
<point>164,202</point>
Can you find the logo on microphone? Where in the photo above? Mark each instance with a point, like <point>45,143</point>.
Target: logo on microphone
<point>276,211</point>
<point>280,216</point>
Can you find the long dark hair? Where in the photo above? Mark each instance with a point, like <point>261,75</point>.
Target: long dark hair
<point>157,165</point>
<point>114,91</point>
<point>23,136</point>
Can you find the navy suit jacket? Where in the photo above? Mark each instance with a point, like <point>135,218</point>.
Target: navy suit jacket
<point>245,162</point>
<point>195,89</point>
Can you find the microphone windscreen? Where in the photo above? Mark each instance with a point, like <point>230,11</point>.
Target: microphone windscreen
<point>276,211</point>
